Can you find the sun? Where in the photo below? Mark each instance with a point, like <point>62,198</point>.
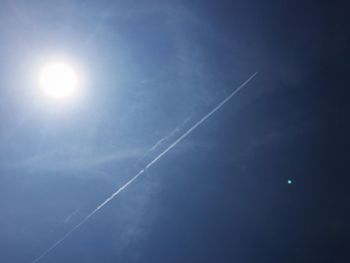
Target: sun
<point>58,80</point>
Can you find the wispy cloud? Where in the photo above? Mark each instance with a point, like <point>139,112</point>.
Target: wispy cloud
<point>69,217</point>
<point>151,163</point>
<point>69,159</point>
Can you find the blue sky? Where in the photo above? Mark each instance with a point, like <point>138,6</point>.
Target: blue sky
<point>151,70</point>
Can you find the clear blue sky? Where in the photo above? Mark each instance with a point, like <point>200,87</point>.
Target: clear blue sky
<point>149,67</point>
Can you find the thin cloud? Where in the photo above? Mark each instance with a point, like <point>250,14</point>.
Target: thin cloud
<point>122,188</point>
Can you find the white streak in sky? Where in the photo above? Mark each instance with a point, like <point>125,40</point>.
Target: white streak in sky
<point>162,140</point>
<point>177,129</point>
<point>68,218</point>
<point>183,136</point>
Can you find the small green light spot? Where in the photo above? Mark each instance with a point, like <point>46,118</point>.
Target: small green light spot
<point>289,181</point>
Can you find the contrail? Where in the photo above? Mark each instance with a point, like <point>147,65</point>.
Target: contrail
<point>162,140</point>
<point>68,218</point>
<point>183,136</point>
<point>177,129</point>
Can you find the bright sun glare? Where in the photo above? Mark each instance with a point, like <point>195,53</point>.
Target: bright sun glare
<point>58,80</point>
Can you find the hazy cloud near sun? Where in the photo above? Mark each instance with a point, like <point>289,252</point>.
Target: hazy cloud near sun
<point>68,159</point>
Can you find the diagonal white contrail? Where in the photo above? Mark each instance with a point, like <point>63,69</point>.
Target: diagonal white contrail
<point>162,140</point>
<point>146,167</point>
<point>177,129</point>
<point>69,217</point>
